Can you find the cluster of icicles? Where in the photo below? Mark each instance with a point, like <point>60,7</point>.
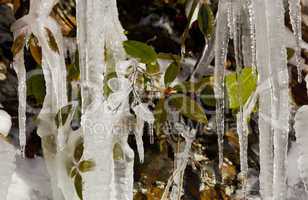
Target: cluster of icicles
<point>260,39</point>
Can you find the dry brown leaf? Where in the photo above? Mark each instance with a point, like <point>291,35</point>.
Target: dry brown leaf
<point>52,41</point>
<point>35,49</point>
<point>18,44</point>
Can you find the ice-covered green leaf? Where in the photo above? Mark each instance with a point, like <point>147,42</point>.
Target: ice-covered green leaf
<point>237,92</point>
<point>78,185</point>
<point>86,165</point>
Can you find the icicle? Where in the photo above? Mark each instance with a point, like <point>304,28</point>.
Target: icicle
<point>101,116</point>
<point>221,45</point>
<point>7,166</point>
<point>279,72</point>
<point>301,127</point>
<point>143,114</point>
<point>295,17</point>
<point>265,101</point>
<point>138,136</point>
<point>19,67</point>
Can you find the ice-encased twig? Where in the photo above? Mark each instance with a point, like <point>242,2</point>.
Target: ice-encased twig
<point>221,45</point>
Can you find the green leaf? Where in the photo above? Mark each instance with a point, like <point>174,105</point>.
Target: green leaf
<point>188,107</point>
<point>78,185</point>
<point>237,92</point>
<point>145,53</point>
<point>152,68</point>
<point>78,150</point>
<point>207,96</point>
<point>160,113</point>
<point>52,41</point>
<point>36,88</point>
<point>86,165</point>
<point>171,73</point>
<point>63,114</point>
<point>191,87</point>
<point>206,20</point>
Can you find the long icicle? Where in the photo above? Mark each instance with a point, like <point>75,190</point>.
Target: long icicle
<point>296,21</point>
<point>221,45</point>
<point>280,107</point>
<point>265,101</point>
<point>20,69</point>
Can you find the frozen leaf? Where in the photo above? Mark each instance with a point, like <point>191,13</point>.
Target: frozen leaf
<point>206,20</point>
<point>86,165</point>
<point>18,43</point>
<point>78,185</point>
<point>63,114</point>
<point>143,52</point>
<point>118,153</point>
<point>35,49</point>
<point>171,73</point>
<point>52,41</point>
<point>248,81</point>
<point>188,107</point>
<point>78,151</point>
<point>73,172</point>
<point>142,111</point>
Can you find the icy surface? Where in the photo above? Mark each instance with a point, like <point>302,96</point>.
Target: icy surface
<point>7,166</point>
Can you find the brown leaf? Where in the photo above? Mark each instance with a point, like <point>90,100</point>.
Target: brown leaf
<point>18,44</point>
<point>35,49</point>
<point>52,41</point>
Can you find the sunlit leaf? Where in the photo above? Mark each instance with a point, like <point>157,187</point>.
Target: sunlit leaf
<point>188,107</point>
<point>141,51</point>
<point>206,20</point>
<point>78,185</point>
<point>237,92</point>
<point>152,68</point>
<point>35,49</point>
<point>52,41</point>
<point>18,44</point>
<point>86,165</point>
<point>171,73</point>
